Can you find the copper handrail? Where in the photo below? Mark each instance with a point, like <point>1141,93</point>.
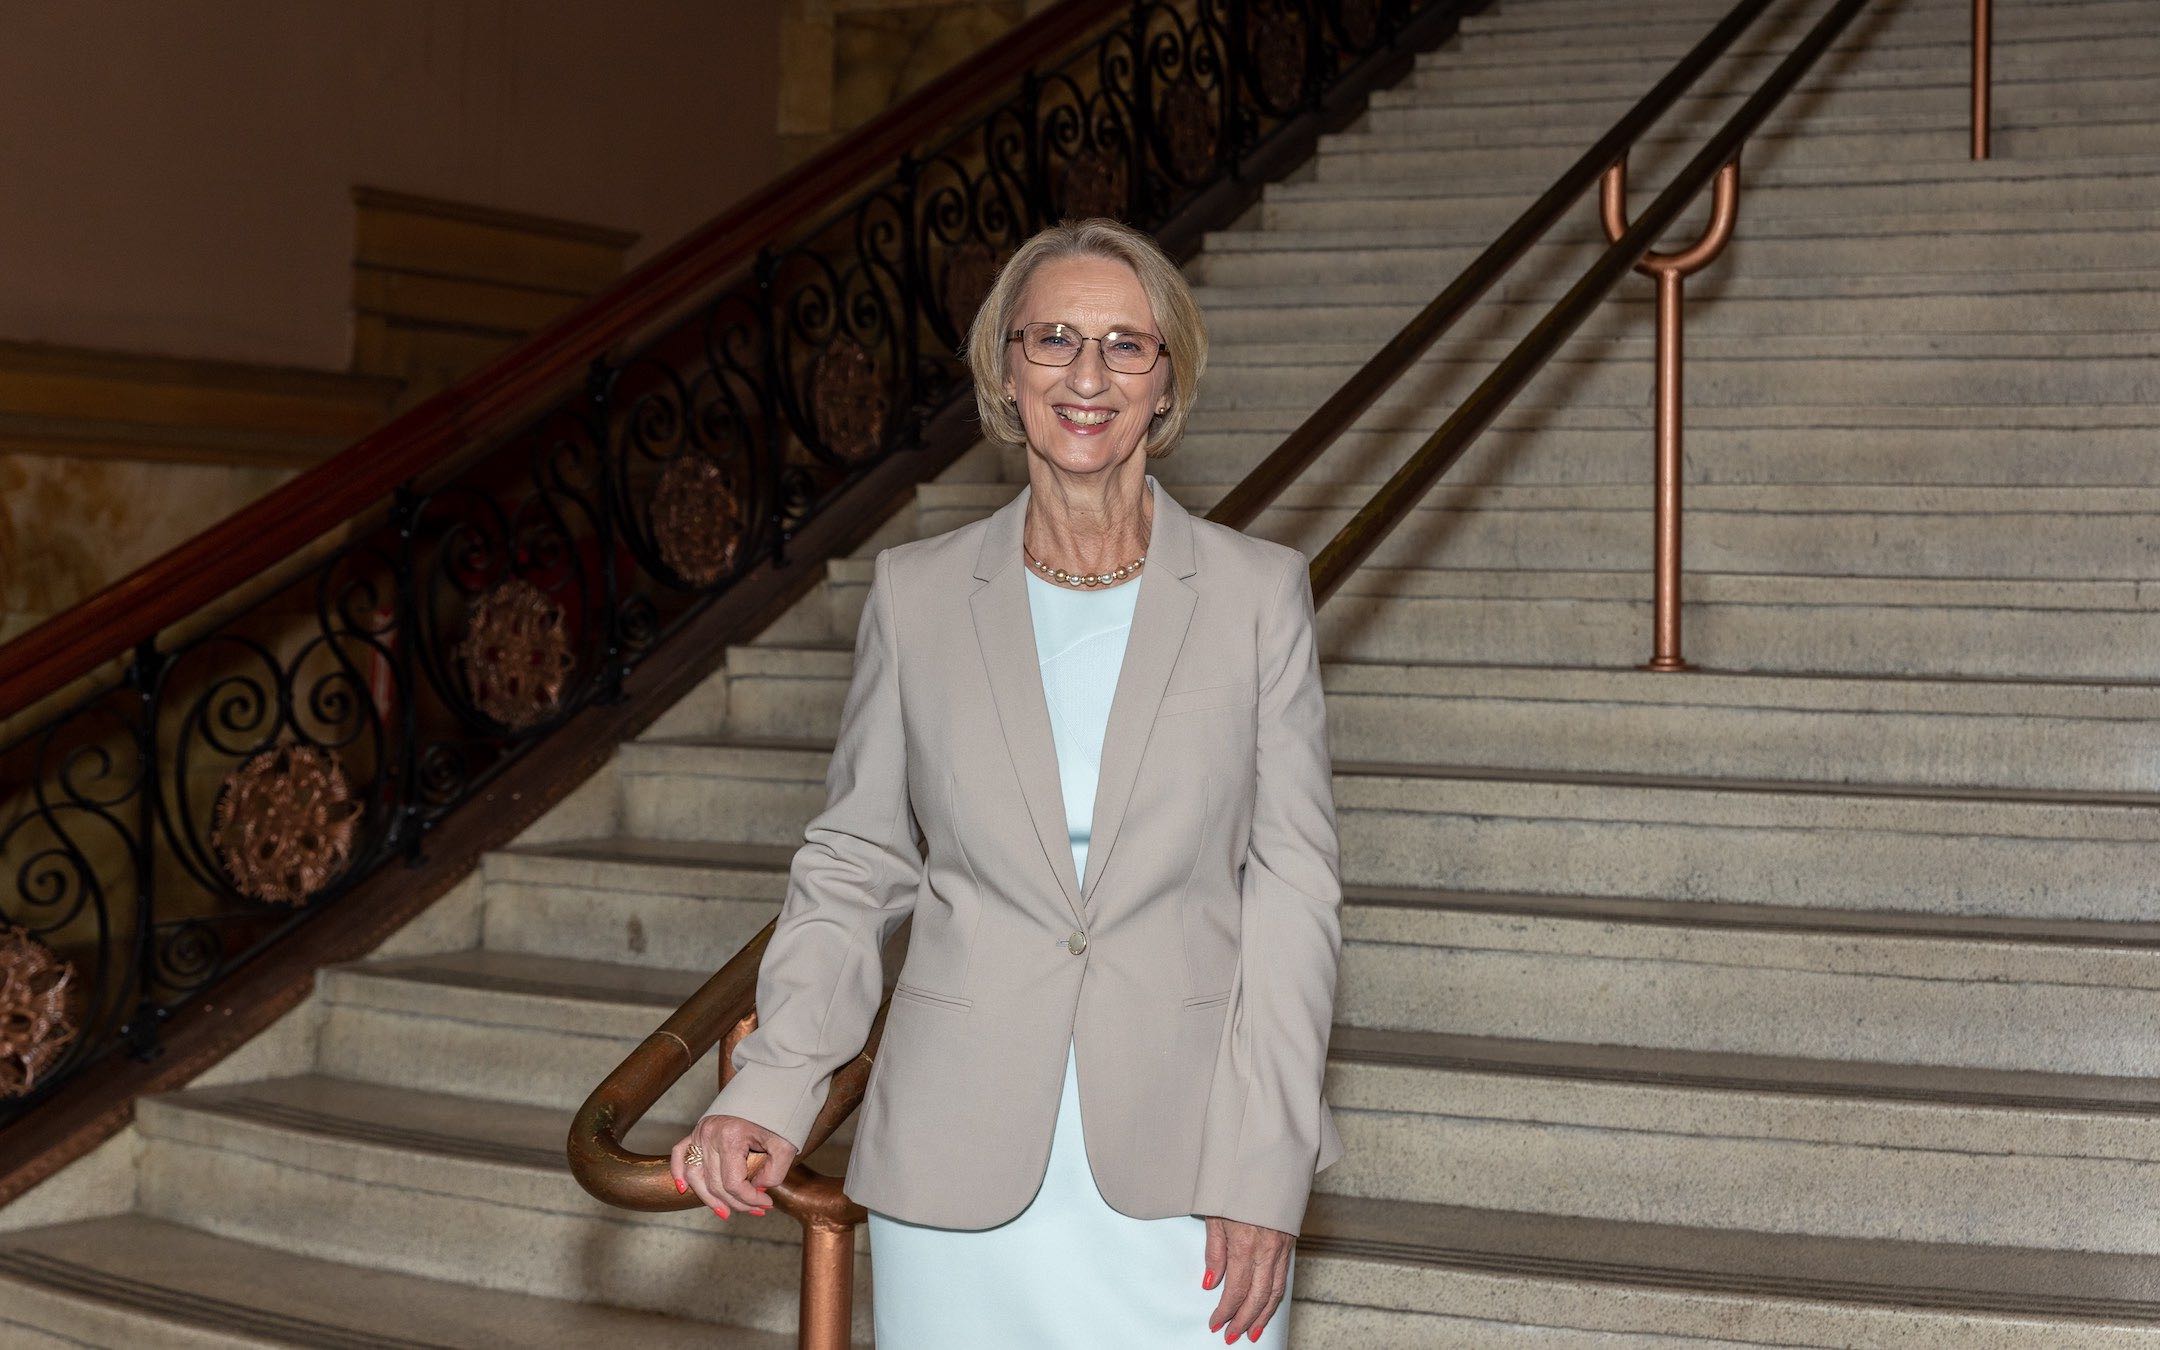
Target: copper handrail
<point>1671,270</point>
<point>1356,540</point>
<point>1331,419</point>
<point>1983,76</point>
<point>465,419</point>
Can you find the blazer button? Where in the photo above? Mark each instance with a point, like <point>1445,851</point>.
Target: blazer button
<point>1077,943</point>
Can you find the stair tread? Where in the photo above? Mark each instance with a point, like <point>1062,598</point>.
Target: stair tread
<point>413,1121</point>
<point>2000,1089</point>
<point>1770,918</point>
<point>693,854</point>
<point>1869,1271</point>
<point>181,1277</point>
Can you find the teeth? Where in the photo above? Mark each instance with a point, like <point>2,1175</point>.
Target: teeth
<point>1085,419</point>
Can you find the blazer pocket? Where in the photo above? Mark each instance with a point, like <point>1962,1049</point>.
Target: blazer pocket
<point>1208,1000</point>
<point>936,1000</point>
<point>1209,696</point>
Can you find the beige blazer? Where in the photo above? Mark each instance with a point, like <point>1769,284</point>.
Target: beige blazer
<point>1193,966</point>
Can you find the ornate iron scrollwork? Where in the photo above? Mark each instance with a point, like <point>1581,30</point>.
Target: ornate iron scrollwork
<point>172,822</point>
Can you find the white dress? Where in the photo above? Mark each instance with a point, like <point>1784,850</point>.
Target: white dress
<point>1068,1272</point>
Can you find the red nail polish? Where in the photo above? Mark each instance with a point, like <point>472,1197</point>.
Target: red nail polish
<point>759,1212</point>
<point>682,1188</point>
<point>1256,1333</point>
<point>719,1211</point>
<point>1207,1281</point>
<point>1229,1338</point>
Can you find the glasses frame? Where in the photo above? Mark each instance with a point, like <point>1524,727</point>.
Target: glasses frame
<point>1162,348</point>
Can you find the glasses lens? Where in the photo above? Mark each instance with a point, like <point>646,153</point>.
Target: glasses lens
<point>1132,353</point>
<point>1055,344</point>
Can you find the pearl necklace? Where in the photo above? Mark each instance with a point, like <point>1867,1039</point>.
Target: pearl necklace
<point>1063,577</point>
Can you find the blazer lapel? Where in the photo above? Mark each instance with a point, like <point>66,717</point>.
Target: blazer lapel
<point>1161,614</point>
<point>1005,629</point>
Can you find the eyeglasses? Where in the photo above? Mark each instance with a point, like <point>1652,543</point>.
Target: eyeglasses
<point>1057,344</point>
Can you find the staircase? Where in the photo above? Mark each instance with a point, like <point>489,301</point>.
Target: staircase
<point>1809,999</point>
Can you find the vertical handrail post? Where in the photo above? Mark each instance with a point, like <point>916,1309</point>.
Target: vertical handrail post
<point>1983,74</point>
<point>1670,270</point>
<point>825,1310</point>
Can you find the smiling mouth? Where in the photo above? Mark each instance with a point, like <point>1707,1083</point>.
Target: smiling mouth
<point>1086,419</point>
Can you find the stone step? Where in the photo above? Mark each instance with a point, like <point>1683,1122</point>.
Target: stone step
<point>444,1187</point>
<point>1248,316</point>
<point>1934,850</point>
<point>1557,32</point>
<point>1585,374</point>
<point>1918,142</point>
<point>671,905</point>
<point>1723,445</point>
<point>132,1280</point>
<point>2069,533</point>
<point>1948,188</point>
<point>1433,1277</point>
<point>1836,108</point>
<point>2057,44</point>
<point>1882,1151</point>
<point>1791,979</point>
<point>1953,627</point>
<point>1587,114</point>
<point>1820,729</point>
<point>504,1026</point>
<point>2011,628</point>
<point>1413,258</point>
<point>2063,996</point>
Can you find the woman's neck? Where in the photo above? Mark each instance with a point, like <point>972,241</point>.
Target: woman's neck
<point>1090,525</point>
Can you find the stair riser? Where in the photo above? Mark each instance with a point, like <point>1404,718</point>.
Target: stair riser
<point>445,1040</point>
<point>1408,1306</point>
<point>1828,746</point>
<point>1542,33</point>
<point>1759,848</point>
<point>1580,378</point>
<point>1486,170</point>
<point>1645,1173</point>
<point>2005,859</point>
<point>1859,639</point>
<point>1484,722</point>
<point>1957,201</point>
<point>1448,108</point>
<point>1234,324</point>
<point>1947,544</point>
<point>1829,454</point>
<point>1555,268</point>
<point>598,923</point>
<point>2060,50</point>
<point>566,1244</point>
<point>1824,996</point>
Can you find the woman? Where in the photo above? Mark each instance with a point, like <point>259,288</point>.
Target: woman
<point>1104,716</point>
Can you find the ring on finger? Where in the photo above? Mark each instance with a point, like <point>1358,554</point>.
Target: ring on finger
<point>695,1157</point>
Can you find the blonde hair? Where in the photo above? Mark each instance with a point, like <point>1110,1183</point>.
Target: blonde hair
<point>1176,313</point>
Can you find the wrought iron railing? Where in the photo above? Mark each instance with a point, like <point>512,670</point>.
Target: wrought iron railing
<point>222,747</point>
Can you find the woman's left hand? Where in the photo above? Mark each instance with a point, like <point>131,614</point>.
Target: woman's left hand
<point>1253,1263</point>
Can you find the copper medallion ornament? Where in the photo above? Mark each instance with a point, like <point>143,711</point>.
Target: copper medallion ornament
<point>516,654</point>
<point>284,823</point>
<point>35,1023</point>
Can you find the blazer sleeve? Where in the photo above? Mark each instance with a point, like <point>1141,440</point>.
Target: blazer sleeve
<point>849,886</point>
<point>1267,1129</point>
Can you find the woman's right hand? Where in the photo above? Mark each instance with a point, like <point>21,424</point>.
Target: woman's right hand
<point>723,1179</point>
